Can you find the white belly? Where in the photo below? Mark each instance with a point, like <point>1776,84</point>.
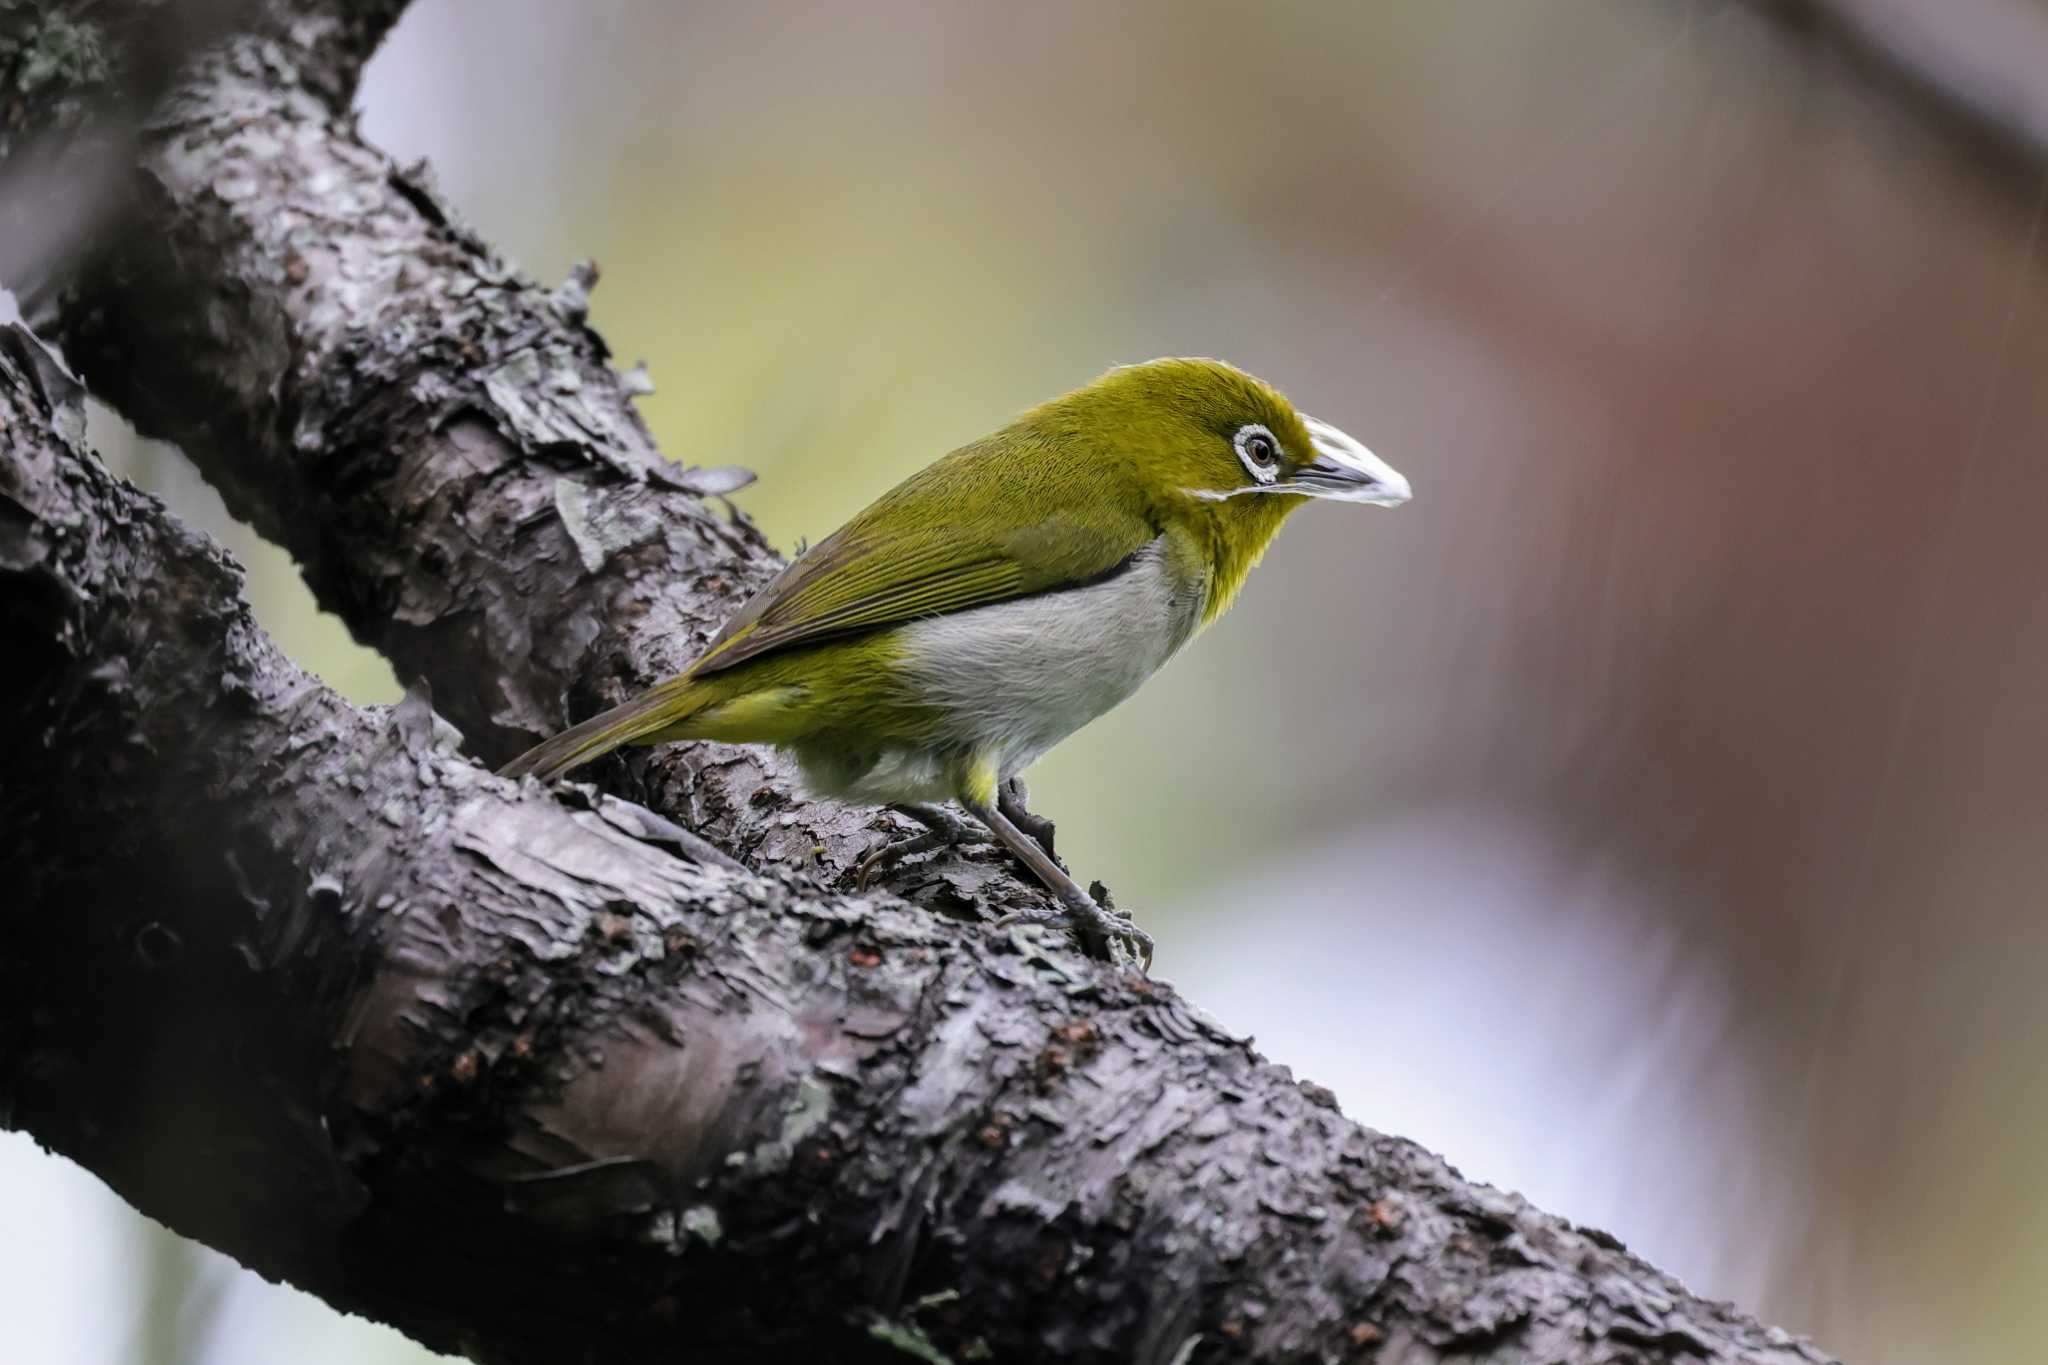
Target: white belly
<point>1016,678</point>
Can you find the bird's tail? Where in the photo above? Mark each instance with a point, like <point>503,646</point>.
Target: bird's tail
<point>657,710</point>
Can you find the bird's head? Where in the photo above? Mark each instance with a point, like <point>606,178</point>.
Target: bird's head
<point>1209,433</point>
<point>1215,449</point>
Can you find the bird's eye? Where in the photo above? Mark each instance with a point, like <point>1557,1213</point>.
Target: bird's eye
<point>1259,452</point>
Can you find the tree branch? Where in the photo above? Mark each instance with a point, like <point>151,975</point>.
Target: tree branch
<point>78,85</point>
<point>506,1071</point>
<point>1975,74</point>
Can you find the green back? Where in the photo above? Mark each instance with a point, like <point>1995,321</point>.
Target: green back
<point>1016,513</point>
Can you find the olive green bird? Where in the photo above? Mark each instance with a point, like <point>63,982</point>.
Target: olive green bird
<point>1001,598</point>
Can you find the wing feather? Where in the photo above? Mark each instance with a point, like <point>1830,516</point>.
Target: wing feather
<point>939,543</point>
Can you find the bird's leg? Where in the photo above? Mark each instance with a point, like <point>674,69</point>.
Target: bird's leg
<point>1010,800</point>
<point>942,829</point>
<point>1101,932</point>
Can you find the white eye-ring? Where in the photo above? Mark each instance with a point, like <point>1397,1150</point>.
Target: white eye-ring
<point>1259,450</point>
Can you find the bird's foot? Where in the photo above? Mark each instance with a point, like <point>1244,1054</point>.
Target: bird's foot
<point>942,829</point>
<point>1010,800</point>
<point>1104,932</point>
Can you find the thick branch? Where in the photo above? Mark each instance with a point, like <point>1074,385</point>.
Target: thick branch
<point>507,1073</point>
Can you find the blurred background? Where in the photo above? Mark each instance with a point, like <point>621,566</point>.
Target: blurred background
<point>1649,816</point>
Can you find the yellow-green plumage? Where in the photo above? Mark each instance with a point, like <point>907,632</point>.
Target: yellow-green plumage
<point>1007,593</point>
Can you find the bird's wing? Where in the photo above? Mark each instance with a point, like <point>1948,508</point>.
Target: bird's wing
<point>938,543</point>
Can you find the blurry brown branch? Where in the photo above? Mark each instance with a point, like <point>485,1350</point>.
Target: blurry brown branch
<point>1973,68</point>
<point>541,1079</point>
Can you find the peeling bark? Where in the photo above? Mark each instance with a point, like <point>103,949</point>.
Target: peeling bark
<point>536,1076</point>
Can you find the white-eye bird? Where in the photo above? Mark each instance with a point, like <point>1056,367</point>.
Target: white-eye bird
<point>1001,598</point>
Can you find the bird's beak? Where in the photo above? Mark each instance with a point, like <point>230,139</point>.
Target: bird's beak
<point>1346,471</point>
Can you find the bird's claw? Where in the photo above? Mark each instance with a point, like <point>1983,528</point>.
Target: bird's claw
<point>1104,934</point>
<point>1104,931</point>
<point>942,829</point>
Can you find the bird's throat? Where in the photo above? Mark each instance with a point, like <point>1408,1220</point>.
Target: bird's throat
<point>1231,537</point>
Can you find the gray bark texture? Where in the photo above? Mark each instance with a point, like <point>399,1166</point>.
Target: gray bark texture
<point>543,1075</point>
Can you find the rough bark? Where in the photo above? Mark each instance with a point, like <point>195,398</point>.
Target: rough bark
<point>78,80</point>
<point>541,1079</point>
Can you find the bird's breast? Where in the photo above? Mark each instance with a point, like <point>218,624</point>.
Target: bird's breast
<point>1020,676</point>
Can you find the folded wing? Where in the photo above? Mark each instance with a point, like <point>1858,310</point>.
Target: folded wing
<point>940,542</point>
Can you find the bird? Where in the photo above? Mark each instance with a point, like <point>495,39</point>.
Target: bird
<point>998,600</point>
